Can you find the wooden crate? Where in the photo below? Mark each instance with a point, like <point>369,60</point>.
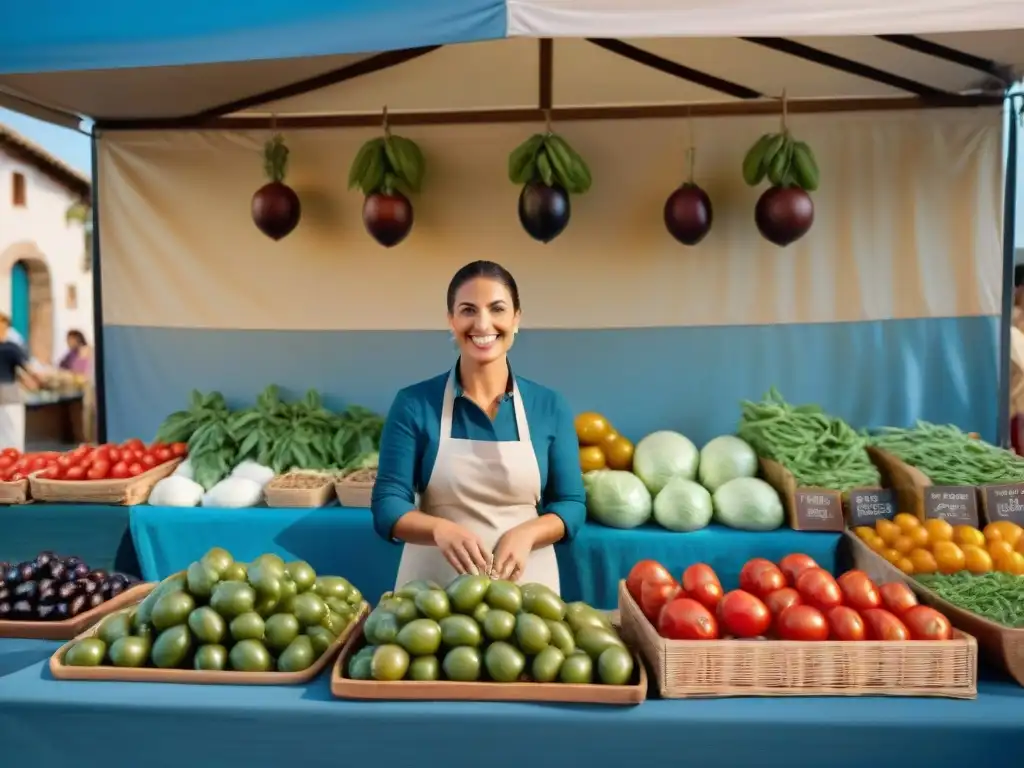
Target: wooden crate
<point>69,628</point>
<point>353,492</point>
<point>1002,646</point>
<point>278,493</point>
<point>345,687</point>
<point>721,668</point>
<point>127,492</point>
<point>190,676</point>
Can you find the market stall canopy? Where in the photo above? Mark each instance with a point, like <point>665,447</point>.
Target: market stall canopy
<point>112,61</point>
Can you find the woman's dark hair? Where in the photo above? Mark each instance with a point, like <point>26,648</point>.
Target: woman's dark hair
<point>488,269</point>
<point>78,336</point>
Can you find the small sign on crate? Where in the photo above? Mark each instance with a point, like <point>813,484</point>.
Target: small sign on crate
<point>956,504</point>
<point>866,506</point>
<point>807,509</point>
<point>1003,502</point>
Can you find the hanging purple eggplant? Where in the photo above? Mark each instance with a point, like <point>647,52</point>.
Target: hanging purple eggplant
<point>550,170</point>
<point>688,214</point>
<point>276,209</point>
<point>385,169</point>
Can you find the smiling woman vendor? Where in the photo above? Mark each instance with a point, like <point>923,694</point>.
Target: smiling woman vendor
<point>494,457</point>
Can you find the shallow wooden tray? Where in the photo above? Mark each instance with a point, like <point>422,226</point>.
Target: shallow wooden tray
<point>345,687</point>
<point>125,492</point>
<point>287,497</point>
<point>1002,646</point>
<point>14,492</point>
<point>722,668</point>
<point>190,676</point>
<point>69,628</point>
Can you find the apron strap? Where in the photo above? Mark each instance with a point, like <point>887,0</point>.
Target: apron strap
<point>447,407</point>
<point>517,404</point>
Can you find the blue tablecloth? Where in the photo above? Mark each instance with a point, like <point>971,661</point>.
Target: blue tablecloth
<point>341,540</point>
<point>95,532</point>
<point>49,723</point>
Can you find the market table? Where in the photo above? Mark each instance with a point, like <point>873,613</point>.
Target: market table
<point>46,722</point>
<point>341,540</point>
<point>97,533</point>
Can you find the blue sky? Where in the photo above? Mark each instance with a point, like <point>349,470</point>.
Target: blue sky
<point>70,146</point>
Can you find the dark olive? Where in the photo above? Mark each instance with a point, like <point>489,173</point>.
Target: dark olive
<point>44,558</point>
<point>72,561</point>
<point>77,605</point>
<point>26,591</point>
<point>87,586</point>
<point>5,594</point>
<point>44,612</point>
<point>57,570</point>
<point>98,575</point>
<point>47,596</point>
<point>95,600</point>
<point>5,609</point>
<point>26,571</point>
<point>80,570</point>
<point>120,577</point>
<point>21,610</point>
<point>67,590</point>
<point>12,576</point>
<point>60,612</point>
<point>116,588</point>
<point>46,584</point>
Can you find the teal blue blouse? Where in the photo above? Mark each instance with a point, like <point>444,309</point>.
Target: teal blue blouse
<point>408,448</point>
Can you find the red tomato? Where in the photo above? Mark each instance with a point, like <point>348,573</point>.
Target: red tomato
<point>64,461</point>
<point>686,619</point>
<point>75,473</point>
<point>162,455</point>
<point>781,599</point>
<point>654,595</point>
<point>148,461</point>
<point>817,587</point>
<point>883,625</point>
<point>926,623</point>
<point>12,453</point>
<point>743,615</point>
<point>794,564</point>
<point>113,455</point>
<point>133,444</point>
<point>761,577</point>
<point>846,624</point>
<point>178,449</point>
<point>99,470</point>
<point>701,583</point>
<point>135,469</point>
<point>51,473</point>
<point>646,570</point>
<point>17,476</point>
<point>118,471</point>
<point>897,597</point>
<point>859,591</point>
<point>5,474</point>
<point>802,622</point>
<point>37,463</point>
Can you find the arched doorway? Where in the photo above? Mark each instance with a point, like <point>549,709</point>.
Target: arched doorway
<point>31,298</point>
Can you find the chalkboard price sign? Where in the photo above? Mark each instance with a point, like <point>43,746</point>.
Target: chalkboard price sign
<point>869,505</point>
<point>819,510</point>
<point>957,504</point>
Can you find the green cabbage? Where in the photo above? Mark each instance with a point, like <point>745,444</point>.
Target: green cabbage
<point>663,455</point>
<point>723,459</point>
<point>617,499</point>
<point>683,505</point>
<point>748,503</point>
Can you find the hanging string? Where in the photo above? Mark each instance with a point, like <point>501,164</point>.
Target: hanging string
<point>273,124</point>
<point>547,120</point>
<point>691,152</point>
<point>785,109</point>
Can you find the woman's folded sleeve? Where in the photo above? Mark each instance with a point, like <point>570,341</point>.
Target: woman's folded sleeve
<point>393,491</point>
<point>564,495</point>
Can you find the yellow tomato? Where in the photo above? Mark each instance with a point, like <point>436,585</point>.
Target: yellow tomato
<point>591,458</point>
<point>876,543</point>
<point>906,521</point>
<point>1012,563</point>
<point>938,530</point>
<point>1020,546</point>
<point>906,565</point>
<point>592,428</point>
<point>968,534</point>
<point>976,559</point>
<point>1004,530</point>
<point>618,451</point>
<point>903,544</point>
<point>864,532</point>
<point>998,548</point>
<point>919,536</point>
<point>892,555</point>
<point>948,556</point>
<point>887,530</point>
<point>924,561</point>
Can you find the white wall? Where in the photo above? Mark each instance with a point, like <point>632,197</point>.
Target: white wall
<point>42,222</point>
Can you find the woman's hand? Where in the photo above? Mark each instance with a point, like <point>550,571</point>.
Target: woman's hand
<point>462,548</point>
<point>512,552</point>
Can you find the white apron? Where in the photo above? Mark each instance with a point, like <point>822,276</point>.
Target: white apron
<point>486,487</point>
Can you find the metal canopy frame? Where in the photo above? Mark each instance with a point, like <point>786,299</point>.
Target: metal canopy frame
<point>748,102</point>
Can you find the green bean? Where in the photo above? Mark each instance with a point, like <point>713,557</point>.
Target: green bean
<point>950,456</point>
<point>819,450</point>
<point>996,596</point>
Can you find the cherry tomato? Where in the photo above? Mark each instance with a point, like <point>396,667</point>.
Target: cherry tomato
<point>11,453</point>
<point>761,577</point>
<point>98,471</point>
<point>817,587</point>
<point>51,473</point>
<point>794,564</point>
<point>148,461</point>
<point>75,473</point>
<point>802,622</point>
<point>119,471</point>
<point>65,461</point>
<point>162,455</point>
<point>37,463</point>
<point>179,449</point>
<point>883,625</point>
<point>6,461</point>
<point>781,599</point>
<point>135,469</point>
<point>5,474</point>
<point>897,597</point>
<point>845,624</point>
<point>701,583</point>
<point>133,445</point>
<point>113,455</point>
<point>654,595</point>
<point>686,619</point>
<point>743,614</point>
<point>646,570</point>
<point>926,623</point>
<point>859,591</point>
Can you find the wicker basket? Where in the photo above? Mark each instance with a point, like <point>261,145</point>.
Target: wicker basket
<point>14,492</point>
<point>720,668</point>
<point>299,490</point>
<point>1002,646</point>
<point>127,492</point>
<point>354,490</point>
